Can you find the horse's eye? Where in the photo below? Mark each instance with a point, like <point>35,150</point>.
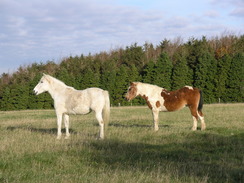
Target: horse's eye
<point>41,81</point>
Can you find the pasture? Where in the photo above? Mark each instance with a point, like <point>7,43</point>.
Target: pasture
<point>131,151</point>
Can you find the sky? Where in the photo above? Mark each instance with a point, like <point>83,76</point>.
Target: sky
<point>37,31</point>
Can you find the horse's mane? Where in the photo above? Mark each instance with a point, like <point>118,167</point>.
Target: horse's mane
<point>60,83</point>
<point>149,85</point>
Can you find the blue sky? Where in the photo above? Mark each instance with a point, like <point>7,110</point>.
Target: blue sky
<point>42,30</point>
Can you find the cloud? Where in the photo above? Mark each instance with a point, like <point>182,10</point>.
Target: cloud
<point>41,30</point>
<point>233,7</point>
<point>238,12</point>
<point>211,14</point>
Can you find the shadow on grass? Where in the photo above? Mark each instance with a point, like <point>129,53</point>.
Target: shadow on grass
<point>136,125</point>
<point>203,157</point>
<point>39,130</point>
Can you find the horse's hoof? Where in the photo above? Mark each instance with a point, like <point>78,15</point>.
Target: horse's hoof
<point>67,137</point>
<point>203,127</point>
<point>156,129</point>
<point>100,138</point>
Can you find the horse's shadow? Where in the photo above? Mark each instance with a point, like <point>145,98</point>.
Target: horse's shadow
<point>39,130</point>
<point>135,125</point>
<point>118,125</point>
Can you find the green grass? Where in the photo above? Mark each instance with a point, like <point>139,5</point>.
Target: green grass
<point>131,152</point>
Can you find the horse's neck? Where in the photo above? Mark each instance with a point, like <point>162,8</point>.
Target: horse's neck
<point>57,88</point>
<point>148,90</point>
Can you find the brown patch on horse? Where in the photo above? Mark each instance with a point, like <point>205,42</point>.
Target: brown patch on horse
<point>131,94</point>
<point>175,100</point>
<point>157,104</point>
<point>148,103</point>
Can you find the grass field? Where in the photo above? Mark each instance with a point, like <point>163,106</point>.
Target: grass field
<point>131,152</point>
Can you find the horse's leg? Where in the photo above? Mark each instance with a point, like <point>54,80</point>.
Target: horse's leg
<point>101,124</point>
<point>155,118</point>
<point>193,110</point>
<point>66,123</point>
<point>200,115</point>
<point>59,124</point>
<point>194,127</point>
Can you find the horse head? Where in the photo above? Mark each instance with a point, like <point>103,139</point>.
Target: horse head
<point>43,85</point>
<point>132,91</point>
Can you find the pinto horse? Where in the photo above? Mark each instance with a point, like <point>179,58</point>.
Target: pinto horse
<point>159,99</point>
<point>68,100</point>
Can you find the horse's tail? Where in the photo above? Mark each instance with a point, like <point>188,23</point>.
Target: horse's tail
<point>200,104</point>
<point>106,108</point>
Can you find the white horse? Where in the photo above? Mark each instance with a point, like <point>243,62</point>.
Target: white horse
<point>68,100</point>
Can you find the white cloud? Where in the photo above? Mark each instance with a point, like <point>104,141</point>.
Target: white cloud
<point>42,30</point>
<point>211,14</point>
<point>232,7</point>
<point>238,12</point>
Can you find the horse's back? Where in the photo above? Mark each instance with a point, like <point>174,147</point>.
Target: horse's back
<point>94,89</point>
<point>191,95</point>
<point>96,97</point>
<point>94,92</point>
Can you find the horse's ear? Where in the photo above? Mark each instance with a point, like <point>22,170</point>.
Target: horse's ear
<point>133,83</point>
<point>48,78</point>
<point>43,74</point>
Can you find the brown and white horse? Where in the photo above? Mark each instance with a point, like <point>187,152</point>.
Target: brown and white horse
<point>159,99</point>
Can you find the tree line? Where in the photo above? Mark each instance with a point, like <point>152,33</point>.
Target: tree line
<point>215,65</point>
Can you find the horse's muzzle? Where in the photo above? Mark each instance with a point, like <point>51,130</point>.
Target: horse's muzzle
<point>35,92</point>
<point>127,98</point>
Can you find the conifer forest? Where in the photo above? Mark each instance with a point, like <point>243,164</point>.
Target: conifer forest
<point>214,65</point>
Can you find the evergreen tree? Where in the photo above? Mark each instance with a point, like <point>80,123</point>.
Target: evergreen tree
<point>64,76</point>
<point>223,68</point>
<point>108,80</point>
<point>35,102</point>
<point>134,74</point>
<point>149,72</point>
<point>20,96</point>
<point>90,79</point>
<point>205,76</point>
<point>203,64</point>
<point>195,48</point>
<point>121,85</point>
<point>134,55</point>
<point>163,70</point>
<point>181,74</point>
<point>235,81</point>
<point>6,102</point>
